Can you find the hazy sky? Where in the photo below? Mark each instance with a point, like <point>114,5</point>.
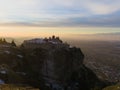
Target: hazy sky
<point>36,17</point>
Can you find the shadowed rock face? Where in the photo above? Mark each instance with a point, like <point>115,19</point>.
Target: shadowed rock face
<point>61,68</point>
<point>56,63</point>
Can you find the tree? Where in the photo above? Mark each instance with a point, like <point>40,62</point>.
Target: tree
<point>13,43</point>
<point>4,40</point>
<point>0,39</point>
<point>53,37</point>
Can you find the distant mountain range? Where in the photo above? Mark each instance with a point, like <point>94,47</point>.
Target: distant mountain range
<point>114,33</point>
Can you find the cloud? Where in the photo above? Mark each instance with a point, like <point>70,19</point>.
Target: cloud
<point>91,6</point>
<point>102,7</point>
<point>60,12</point>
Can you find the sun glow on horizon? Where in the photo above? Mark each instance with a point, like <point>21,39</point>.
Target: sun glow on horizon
<point>66,32</point>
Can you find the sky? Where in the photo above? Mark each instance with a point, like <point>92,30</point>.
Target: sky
<point>61,17</point>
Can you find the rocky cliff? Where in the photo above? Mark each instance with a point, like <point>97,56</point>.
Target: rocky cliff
<point>50,66</point>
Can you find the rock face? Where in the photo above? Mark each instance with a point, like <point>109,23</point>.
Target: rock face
<point>49,66</point>
<point>56,64</point>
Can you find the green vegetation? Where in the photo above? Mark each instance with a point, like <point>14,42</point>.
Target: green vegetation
<point>114,87</point>
<point>16,87</point>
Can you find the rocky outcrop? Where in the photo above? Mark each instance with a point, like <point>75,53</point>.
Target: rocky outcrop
<point>56,64</point>
<point>50,66</point>
<point>61,67</point>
